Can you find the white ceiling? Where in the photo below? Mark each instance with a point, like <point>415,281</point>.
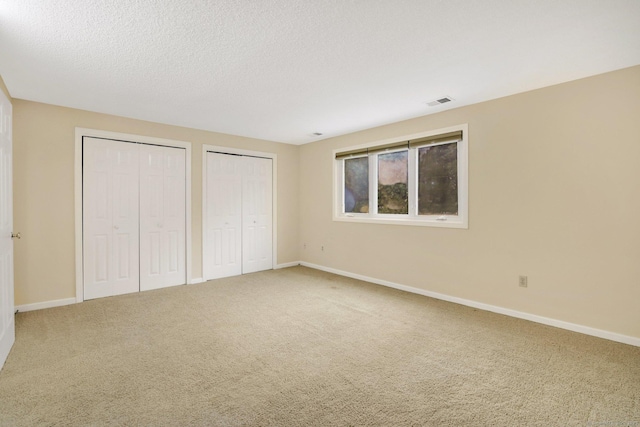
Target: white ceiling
<point>282,69</point>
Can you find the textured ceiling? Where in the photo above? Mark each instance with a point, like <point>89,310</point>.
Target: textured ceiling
<point>283,69</point>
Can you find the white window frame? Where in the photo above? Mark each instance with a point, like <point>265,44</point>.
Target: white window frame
<point>412,218</point>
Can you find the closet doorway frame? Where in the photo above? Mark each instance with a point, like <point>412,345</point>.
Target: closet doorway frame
<point>125,137</point>
<point>274,195</point>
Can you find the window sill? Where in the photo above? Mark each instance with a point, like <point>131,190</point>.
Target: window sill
<point>449,223</point>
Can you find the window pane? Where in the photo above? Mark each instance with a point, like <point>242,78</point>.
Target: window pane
<point>356,185</point>
<point>393,195</point>
<point>438,180</point>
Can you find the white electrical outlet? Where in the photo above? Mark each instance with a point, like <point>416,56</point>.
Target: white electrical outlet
<point>523,281</point>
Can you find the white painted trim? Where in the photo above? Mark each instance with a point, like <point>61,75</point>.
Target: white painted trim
<point>45,304</point>
<point>274,193</point>
<point>287,265</point>
<point>625,339</point>
<point>81,132</point>
<point>77,188</point>
<point>197,280</point>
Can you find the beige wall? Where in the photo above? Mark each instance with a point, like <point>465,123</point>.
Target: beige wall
<point>44,144</point>
<point>554,193</point>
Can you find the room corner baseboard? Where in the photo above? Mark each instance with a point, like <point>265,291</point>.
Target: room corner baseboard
<point>45,304</point>
<point>625,339</point>
<point>287,265</point>
<point>196,281</point>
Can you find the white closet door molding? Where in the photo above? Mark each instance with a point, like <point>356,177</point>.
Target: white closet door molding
<point>162,217</point>
<point>223,213</point>
<point>110,218</point>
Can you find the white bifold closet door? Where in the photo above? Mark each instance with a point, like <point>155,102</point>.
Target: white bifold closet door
<point>223,237</point>
<point>133,217</point>
<point>110,218</point>
<point>238,209</point>
<point>162,217</point>
<point>257,182</point>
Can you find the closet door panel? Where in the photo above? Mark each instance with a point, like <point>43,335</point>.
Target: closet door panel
<point>162,217</point>
<point>223,201</point>
<point>257,188</point>
<point>110,218</point>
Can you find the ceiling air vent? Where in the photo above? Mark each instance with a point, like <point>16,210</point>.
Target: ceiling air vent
<point>439,101</point>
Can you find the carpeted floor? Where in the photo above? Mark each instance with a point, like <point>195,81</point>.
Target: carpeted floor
<point>299,347</point>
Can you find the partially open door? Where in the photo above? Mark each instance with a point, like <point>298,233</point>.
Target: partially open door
<point>7,315</point>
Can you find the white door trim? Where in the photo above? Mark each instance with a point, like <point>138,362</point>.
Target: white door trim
<point>82,132</point>
<point>274,207</point>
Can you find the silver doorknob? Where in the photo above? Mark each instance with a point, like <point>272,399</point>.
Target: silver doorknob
<point>16,235</point>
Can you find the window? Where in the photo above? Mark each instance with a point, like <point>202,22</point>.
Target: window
<point>393,193</point>
<point>414,180</point>
<point>438,179</point>
<point>356,185</point>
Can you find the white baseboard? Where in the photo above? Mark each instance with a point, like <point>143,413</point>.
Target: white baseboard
<point>197,280</point>
<point>287,265</point>
<point>45,304</point>
<point>625,339</point>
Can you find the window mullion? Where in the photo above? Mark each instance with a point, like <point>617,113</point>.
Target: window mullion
<point>373,184</point>
<point>343,180</point>
<point>412,182</point>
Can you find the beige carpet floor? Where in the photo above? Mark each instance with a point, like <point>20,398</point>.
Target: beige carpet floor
<point>299,347</point>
